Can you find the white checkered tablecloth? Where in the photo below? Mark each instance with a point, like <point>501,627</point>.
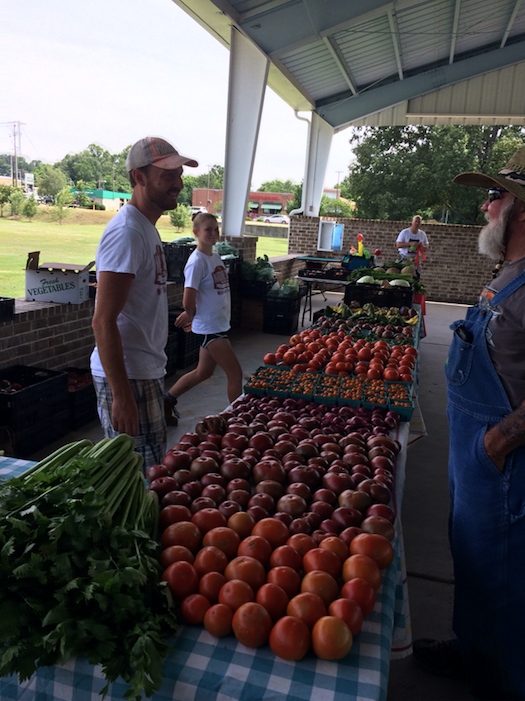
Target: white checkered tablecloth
<point>203,668</point>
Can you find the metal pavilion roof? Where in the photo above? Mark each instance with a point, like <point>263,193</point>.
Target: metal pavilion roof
<point>375,62</point>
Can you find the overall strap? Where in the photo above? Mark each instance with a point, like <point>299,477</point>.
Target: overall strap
<point>509,289</point>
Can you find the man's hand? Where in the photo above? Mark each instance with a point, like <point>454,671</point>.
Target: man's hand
<point>490,448</point>
<point>125,416</point>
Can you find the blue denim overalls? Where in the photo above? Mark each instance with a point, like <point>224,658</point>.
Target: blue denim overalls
<point>487,519</point>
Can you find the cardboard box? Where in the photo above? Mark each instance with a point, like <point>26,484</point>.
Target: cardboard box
<point>62,283</point>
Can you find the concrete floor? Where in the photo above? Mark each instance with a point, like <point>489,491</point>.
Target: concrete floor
<point>426,500</point>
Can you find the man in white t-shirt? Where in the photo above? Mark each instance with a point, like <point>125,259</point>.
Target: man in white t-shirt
<point>410,239</point>
<point>130,322</point>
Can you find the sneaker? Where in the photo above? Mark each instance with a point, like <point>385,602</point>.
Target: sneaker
<point>170,411</point>
<point>441,657</point>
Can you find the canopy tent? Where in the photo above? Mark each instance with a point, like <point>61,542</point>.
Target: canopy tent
<point>361,62</point>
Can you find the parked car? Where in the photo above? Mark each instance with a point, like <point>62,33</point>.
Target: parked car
<point>197,210</point>
<point>277,219</point>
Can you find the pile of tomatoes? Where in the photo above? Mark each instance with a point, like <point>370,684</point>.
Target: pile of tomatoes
<point>338,354</point>
<point>266,586</point>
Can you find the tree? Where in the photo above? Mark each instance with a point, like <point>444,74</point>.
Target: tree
<point>331,207</point>
<point>295,203</point>
<point>277,186</point>
<point>180,217</point>
<point>62,200</point>
<point>16,200</point>
<point>50,180</point>
<point>30,207</point>
<point>215,182</point>
<point>97,167</point>
<point>403,171</point>
<point>5,193</point>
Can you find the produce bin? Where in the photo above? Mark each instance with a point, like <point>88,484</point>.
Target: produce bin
<point>7,308</point>
<point>176,258</point>
<point>36,407</point>
<point>380,296</point>
<point>256,289</point>
<point>82,397</point>
<point>285,325</point>
<point>171,352</point>
<point>187,344</point>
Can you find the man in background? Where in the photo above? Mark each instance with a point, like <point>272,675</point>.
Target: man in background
<point>130,322</point>
<point>411,239</point>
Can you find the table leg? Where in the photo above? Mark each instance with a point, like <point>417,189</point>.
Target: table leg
<point>307,301</point>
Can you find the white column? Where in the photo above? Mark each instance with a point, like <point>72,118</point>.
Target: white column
<point>318,152</point>
<point>247,84</point>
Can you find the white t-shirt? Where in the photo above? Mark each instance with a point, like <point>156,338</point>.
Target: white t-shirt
<point>412,239</point>
<point>131,244</point>
<point>209,277</point>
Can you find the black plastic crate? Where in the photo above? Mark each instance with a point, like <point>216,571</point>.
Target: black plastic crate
<point>380,296</point>
<point>92,279</point>
<point>175,270</point>
<point>187,348</point>
<point>54,426</point>
<point>256,289</point>
<point>284,325</point>
<point>171,353</point>
<point>178,251</point>
<point>281,306</point>
<point>82,397</point>
<point>41,390</point>
<point>7,308</point>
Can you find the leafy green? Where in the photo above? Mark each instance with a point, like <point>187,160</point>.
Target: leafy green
<point>79,568</point>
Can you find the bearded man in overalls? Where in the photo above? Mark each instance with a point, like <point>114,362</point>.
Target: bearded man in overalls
<point>485,373</point>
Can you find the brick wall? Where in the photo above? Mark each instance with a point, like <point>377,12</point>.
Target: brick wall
<point>453,271</point>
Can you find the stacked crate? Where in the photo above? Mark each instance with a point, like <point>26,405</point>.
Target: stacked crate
<point>281,314</point>
<point>176,258</point>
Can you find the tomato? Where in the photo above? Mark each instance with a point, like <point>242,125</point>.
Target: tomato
<point>322,559</point>
<point>375,546</point>
<point>218,620</point>
<point>248,569</point>
<point>322,584</point>
<point>331,638</point>
<point>285,577</point>
<point>223,538</point>
<point>289,638</point>
<point>270,359</point>
<point>364,567</point>
<point>174,553</point>
<point>182,579</point>
<point>362,592</point>
<point>252,624</point>
<point>210,559</point>
<point>235,593</point>
<point>210,585</point>
<point>193,608</point>
<point>274,599</point>
<point>255,546</point>
<point>207,519</point>
<point>290,357</point>
<point>336,545</point>
<point>390,375</point>
<point>307,606</point>
<point>242,523</point>
<point>348,611</point>
<point>286,556</point>
<point>276,532</point>
<point>183,533</point>
<point>173,513</point>
<point>302,542</point>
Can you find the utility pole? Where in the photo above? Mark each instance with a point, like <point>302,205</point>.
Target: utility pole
<point>208,190</point>
<point>16,148</point>
<point>338,178</point>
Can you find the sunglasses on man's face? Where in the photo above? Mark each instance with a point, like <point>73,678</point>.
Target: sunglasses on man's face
<point>496,193</point>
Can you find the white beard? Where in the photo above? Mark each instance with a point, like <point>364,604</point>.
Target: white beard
<point>491,241</point>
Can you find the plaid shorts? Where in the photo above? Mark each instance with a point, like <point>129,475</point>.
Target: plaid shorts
<point>149,395</point>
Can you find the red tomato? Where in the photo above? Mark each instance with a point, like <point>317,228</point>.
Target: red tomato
<point>360,591</point>
<point>308,607</point>
<point>302,542</point>
<point>173,513</point>
<point>275,531</point>
<point>235,593</point>
<point>270,359</point>
<point>289,638</point>
<point>218,620</point>
<point>391,375</point>
<point>274,599</point>
<point>210,559</point>
<point>286,556</point>
<point>223,538</point>
<point>348,611</point>
<point>322,559</point>
<point>182,579</point>
<point>210,585</point>
<point>364,567</point>
<point>248,569</point>
<point>322,584</point>
<point>174,553</point>
<point>207,519</point>
<point>375,546</point>
<point>193,608</point>
<point>331,638</point>
<point>242,523</point>
<point>255,546</point>
<point>183,533</point>
<point>335,545</point>
<point>252,624</point>
<point>287,578</point>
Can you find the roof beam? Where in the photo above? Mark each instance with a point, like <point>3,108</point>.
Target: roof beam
<point>351,107</point>
<point>392,21</point>
<point>511,22</point>
<point>340,63</point>
<point>454,36</point>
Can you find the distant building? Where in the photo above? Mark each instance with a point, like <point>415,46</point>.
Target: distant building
<point>111,200</point>
<point>259,203</point>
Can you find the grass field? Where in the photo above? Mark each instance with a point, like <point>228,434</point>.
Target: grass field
<point>73,241</point>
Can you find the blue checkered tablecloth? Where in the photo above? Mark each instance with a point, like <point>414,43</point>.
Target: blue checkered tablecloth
<point>204,668</point>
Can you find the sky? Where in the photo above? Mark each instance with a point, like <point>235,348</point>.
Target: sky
<point>112,72</point>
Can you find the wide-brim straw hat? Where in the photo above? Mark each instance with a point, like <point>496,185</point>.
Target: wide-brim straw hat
<point>511,177</point>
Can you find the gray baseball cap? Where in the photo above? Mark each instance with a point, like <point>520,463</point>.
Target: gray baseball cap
<point>158,152</point>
